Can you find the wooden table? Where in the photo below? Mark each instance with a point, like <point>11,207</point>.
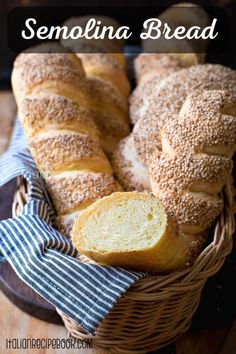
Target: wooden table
<point>14,323</point>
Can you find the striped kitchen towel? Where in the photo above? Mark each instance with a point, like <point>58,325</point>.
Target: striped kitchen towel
<point>47,261</point>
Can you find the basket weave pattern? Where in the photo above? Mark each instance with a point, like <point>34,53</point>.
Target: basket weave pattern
<point>156,309</point>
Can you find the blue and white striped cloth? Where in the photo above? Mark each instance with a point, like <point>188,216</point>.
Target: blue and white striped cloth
<point>47,261</point>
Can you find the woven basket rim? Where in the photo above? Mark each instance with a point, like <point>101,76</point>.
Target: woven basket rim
<point>156,309</point>
<point>225,220</point>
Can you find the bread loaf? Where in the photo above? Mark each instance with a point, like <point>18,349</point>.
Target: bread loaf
<point>189,146</point>
<point>164,100</point>
<point>53,103</point>
<point>195,162</point>
<point>168,97</point>
<point>131,230</point>
<point>104,64</point>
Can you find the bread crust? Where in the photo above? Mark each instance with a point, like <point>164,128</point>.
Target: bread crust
<point>186,143</point>
<point>54,101</point>
<point>168,97</point>
<point>102,91</point>
<point>170,251</point>
<point>76,190</point>
<point>105,44</point>
<point>181,14</point>
<point>65,151</point>
<point>107,68</point>
<point>195,162</point>
<point>188,186</point>
<point>150,70</point>
<point>40,113</point>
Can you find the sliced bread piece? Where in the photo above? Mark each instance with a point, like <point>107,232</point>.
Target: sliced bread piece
<point>131,230</point>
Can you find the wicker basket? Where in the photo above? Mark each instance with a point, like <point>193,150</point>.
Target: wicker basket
<point>156,309</point>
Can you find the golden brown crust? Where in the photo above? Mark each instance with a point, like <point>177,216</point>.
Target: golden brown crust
<point>187,15</point>
<point>54,99</point>
<point>105,67</point>
<point>42,112</point>
<point>141,97</point>
<point>48,55</point>
<point>150,69</point>
<point>195,162</point>
<point>37,79</point>
<point>213,124</point>
<point>107,86</point>
<point>188,185</point>
<point>74,191</point>
<point>103,94</point>
<point>168,98</point>
<point>187,144</point>
<point>32,69</point>
<point>109,111</point>
<point>58,151</point>
<point>112,130</point>
<point>148,64</point>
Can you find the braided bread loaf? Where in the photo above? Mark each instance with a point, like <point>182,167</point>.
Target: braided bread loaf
<point>168,98</point>
<point>186,146</point>
<point>52,96</point>
<point>195,162</point>
<point>165,100</point>
<point>107,80</point>
<point>150,70</point>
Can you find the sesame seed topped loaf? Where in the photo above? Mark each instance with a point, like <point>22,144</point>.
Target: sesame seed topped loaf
<point>195,162</point>
<point>54,108</point>
<point>158,110</point>
<point>181,149</point>
<point>169,96</point>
